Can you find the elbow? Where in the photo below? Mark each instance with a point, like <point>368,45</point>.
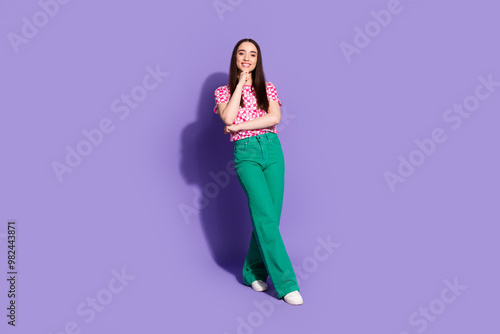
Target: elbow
<point>228,121</point>
<point>276,120</point>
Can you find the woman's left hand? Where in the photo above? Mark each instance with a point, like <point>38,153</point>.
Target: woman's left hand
<point>231,128</point>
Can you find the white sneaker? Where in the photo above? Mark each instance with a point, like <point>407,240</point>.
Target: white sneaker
<point>259,285</point>
<point>293,298</point>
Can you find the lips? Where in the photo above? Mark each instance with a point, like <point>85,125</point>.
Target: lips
<point>245,65</point>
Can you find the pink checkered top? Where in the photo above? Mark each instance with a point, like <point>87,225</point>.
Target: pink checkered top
<point>249,111</point>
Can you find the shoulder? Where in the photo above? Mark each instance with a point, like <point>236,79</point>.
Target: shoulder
<point>270,87</point>
<point>222,90</point>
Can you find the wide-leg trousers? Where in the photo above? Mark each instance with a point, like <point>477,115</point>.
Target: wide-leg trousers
<point>260,167</point>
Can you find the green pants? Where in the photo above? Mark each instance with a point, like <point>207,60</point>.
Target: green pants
<point>260,167</point>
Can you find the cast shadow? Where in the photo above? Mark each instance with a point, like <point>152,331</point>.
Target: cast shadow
<point>206,153</point>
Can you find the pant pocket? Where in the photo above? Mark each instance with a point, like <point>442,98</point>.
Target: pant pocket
<point>275,142</point>
<point>244,151</point>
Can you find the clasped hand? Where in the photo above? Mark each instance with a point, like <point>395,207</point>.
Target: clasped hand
<point>231,128</point>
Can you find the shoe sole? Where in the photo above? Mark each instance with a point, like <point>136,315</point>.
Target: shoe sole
<point>293,303</point>
<point>259,289</point>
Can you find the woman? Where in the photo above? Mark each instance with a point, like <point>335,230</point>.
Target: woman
<point>250,109</point>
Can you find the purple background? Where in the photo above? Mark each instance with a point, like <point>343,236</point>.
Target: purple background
<point>344,125</point>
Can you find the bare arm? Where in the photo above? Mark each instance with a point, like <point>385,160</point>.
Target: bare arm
<point>228,111</point>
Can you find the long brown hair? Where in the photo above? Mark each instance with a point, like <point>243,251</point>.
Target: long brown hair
<point>258,78</point>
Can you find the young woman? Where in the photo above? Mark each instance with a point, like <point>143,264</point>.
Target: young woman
<point>250,109</point>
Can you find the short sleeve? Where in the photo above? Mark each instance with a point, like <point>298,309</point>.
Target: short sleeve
<point>221,96</point>
<point>272,93</point>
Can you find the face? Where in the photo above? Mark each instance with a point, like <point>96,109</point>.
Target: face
<point>246,57</point>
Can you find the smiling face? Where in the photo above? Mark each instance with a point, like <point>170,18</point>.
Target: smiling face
<point>246,57</point>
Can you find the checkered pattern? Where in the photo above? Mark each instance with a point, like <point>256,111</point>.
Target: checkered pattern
<point>249,111</point>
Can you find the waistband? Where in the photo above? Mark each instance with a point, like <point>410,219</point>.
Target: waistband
<point>256,138</point>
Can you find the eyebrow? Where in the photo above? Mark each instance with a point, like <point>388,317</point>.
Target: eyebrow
<point>245,50</point>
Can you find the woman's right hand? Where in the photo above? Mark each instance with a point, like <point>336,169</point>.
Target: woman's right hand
<point>244,77</point>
